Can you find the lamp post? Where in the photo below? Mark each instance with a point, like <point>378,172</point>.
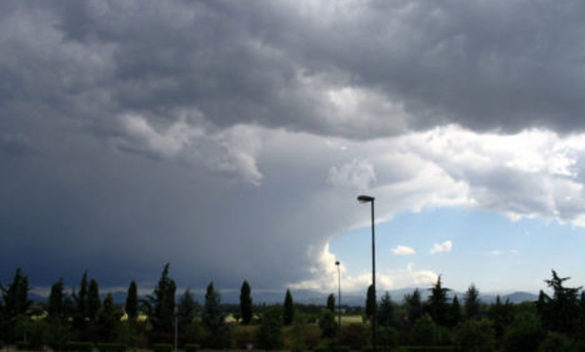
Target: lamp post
<point>369,199</point>
<point>176,311</point>
<point>338,294</point>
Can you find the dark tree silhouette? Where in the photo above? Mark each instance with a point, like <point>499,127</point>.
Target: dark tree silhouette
<point>331,302</point>
<point>288,315</point>
<point>246,303</point>
<point>385,313</point>
<point>472,304</point>
<point>131,306</point>
<point>437,303</point>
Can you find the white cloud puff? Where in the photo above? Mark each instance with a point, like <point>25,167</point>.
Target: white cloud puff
<point>441,247</point>
<point>403,250</point>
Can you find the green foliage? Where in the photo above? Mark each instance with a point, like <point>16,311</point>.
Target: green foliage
<point>191,347</point>
<point>472,304</point>
<point>385,313</point>
<point>501,316</point>
<point>289,309</point>
<point>217,333</point>
<point>15,298</point>
<point>93,300</point>
<point>560,313</point>
<point>454,315</point>
<point>246,303</point>
<point>163,304</point>
<point>331,302</point>
<point>297,333</point>
<point>354,335</point>
<point>78,346</point>
<point>110,347</point>
<point>387,337</point>
<point>327,324</point>
<point>474,336</point>
<point>424,331</point>
<point>131,306</point>
<point>80,316</point>
<point>270,331</point>
<point>108,319</point>
<point>162,347</point>
<point>56,304</point>
<point>413,306</point>
<point>437,303</point>
<point>556,342</point>
<point>523,334</point>
<point>370,302</point>
<point>186,311</point>
<point>243,335</point>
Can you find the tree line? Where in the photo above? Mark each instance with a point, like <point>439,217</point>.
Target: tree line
<point>441,320</point>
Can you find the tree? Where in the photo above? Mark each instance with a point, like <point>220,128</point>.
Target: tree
<point>187,310</point>
<point>81,312</point>
<point>93,300</point>
<point>561,312</point>
<point>270,331</point>
<point>370,302</point>
<point>327,323</point>
<point>424,331</point>
<point>331,303</point>
<point>246,303</point>
<point>131,306</point>
<point>472,304</point>
<point>523,334</point>
<point>108,319</point>
<point>501,315</point>
<point>163,303</point>
<point>454,312</point>
<point>56,306</point>
<point>288,315</point>
<point>414,306</point>
<point>437,303</point>
<point>213,319</point>
<point>14,304</point>
<point>385,314</point>
<point>474,336</point>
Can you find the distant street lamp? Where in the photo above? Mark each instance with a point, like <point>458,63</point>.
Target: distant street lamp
<point>369,199</point>
<point>338,294</point>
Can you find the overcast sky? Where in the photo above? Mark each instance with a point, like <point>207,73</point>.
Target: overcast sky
<point>231,138</point>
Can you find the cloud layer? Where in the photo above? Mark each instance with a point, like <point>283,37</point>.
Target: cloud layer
<point>231,138</point>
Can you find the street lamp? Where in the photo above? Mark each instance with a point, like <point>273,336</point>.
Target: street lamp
<point>338,294</point>
<point>369,199</point>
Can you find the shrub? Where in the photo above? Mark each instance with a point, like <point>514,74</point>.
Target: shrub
<point>243,335</point>
<point>424,331</point>
<point>78,346</point>
<point>474,336</point>
<point>387,338</point>
<point>111,347</point>
<point>270,332</point>
<point>353,335</point>
<point>556,342</point>
<point>162,347</point>
<point>524,334</point>
<point>192,347</point>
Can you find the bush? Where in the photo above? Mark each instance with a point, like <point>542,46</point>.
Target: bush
<point>524,334</point>
<point>387,338</point>
<point>474,336</point>
<point>192,347</point>
<point>270,332</point>
<point>353,335</point>
<point>162,347</point>
<point>243,335</point>
<point>556,342</point>
<point>111,347</point>
<point>424,331</point>
<point>78,346</point>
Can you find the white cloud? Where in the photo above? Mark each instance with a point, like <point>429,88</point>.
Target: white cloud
<point>495,252</point>
<point>403,250</point>
<point>356,173</point>
<point>441,247</point>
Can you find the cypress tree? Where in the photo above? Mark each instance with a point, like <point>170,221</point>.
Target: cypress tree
<point>93,300</point>
<point>55,306</point>
<point>212,317</point>
<point>246,303</point>
<point>370,302</point>
<point>164,303</point>
<point>472,304</point>
<point>288,315</point>
<point>131,306</point>
<point>187,310</point>
<point>331,302</point>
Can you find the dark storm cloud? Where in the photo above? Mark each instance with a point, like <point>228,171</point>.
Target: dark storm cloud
<point>91,87</point>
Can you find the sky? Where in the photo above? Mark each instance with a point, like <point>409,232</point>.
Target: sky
<point>231,139</point>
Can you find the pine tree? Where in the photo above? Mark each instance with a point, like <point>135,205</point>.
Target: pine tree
<point>454,312</point>
<point>414,306</point>
<point>331,302</point>
<point>437,303</point>
<point>246,303</point>
<point>81,309</point>
<point>561,313</point>
<point>370,302</point>
<point>93,300</point>
<point>15,297</point>
<point>212,317</point>
<point>186,311</point>
<point>288,315</point>
<point>472,304</point>
<point>55,306</point>
<point>163,301</point>
<point>131,306</point>
<point>385,314</point>
<point>108,319</point>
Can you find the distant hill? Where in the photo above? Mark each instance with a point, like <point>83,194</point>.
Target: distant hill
<point>320,298</point>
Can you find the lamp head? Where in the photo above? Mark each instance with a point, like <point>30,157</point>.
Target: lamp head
<point>365,199</point>
<point>337,262</point>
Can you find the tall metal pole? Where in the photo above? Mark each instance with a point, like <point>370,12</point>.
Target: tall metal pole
<point>338,294</point>
<point>373,280</point>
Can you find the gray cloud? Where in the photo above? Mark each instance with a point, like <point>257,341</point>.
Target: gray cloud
<point>205,133</point>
